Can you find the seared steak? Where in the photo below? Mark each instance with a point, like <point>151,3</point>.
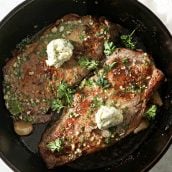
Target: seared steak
<point>30,85</point>
<point>126,82</point>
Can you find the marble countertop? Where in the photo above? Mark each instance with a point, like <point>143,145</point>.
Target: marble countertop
<point>162,8</point>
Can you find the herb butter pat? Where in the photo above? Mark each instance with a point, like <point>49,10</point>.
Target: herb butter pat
<point>59,51</point>
<point>107,117</point>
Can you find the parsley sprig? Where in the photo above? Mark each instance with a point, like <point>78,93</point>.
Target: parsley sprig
<point>109,67</point>
<point>56,145</point>
<point>151,112</point>
<point>88,63</point>
<point>97,102</point>
<point>56,105</point>
<point>23,43</point>
<point>102,82</point>
<point>64,97</point>
<point>65,93</point>
<point>109,48</point>
<point>127,40</point>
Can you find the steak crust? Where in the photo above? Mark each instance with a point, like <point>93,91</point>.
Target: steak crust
<point>30,85</point>
<point>131,78</point>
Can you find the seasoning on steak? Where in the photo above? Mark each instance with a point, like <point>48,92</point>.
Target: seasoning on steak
<point>30,86</point>
<point>126,82</point>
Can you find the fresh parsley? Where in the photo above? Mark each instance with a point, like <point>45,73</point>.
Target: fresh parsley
<point>97,102</point>
<point>127,40</point>
<point>65,93</point>
<point>86,82</point>
<point>23,43</point>
<point>125,61</point>
<point>56,105</point>
<point>102,82</point>
<point>82,37</point>
<point>88,63</point>
<point>109,67</point>
<point>89,82</point>
<point>109,48</point>
<point>14,106</point>
<point>151,112</point>
<point>56,145</point>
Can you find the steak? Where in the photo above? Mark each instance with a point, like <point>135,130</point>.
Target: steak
<point>30,86</point>
<point>126,81</point>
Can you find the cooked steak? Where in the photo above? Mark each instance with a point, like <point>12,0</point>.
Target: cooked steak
<point>125,83</point>
<point>30,86</point>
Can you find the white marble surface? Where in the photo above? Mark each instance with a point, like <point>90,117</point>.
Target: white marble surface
<point>162,8</point>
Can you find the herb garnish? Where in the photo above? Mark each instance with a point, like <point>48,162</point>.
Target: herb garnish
<point>56,145</point>
<point>43,52</point>
<point>65,93</point>
<point>88,63</point>
<point>151,112</point>
<point>97,102</point>
<point>14,107</point>
<point>127,40</point>
<point>23,43</point>
<point>27,118</point>
<point>134,88</point>
<point>86,82</point>
<point>103,31</point>
<point>107,68</point>
<point>56,105</point>
<point>125,61</point>
<point>82,36</point>
<point>89,82</point>
<point>64,97</point>
<point>103,82</point>
<point>109,48</point>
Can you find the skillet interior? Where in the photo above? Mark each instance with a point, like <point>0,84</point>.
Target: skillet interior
<point>134,153</point>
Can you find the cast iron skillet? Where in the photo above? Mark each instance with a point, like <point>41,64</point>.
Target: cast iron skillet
<point>134,153</point>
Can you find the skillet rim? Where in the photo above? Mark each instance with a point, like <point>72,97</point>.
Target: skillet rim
<point>159,155</point>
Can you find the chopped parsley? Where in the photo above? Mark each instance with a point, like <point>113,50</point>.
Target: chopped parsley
<point>109,48</point>
<point>14,107</point>
<point>56,145</point>
<point>86,82</point>
<point>73,115</point>
<point>102,82</point>
<point>56,105</point>
<point>151,112</point>
<point>103,31</point>
<point>109,67</point>
<point>65,93</point>
<point>82,36</point>
<point>43,52</point>
<point>63,98</point>
<point>27,118</point>
<point>23,43</point>
<point>97,102</point>
<point>88,63</point>
<point>127,40</point>
<point>89,82</point>
<point>134,88</point>
<point>125,61</point>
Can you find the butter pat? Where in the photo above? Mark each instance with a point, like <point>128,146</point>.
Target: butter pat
<point>107,117</point>
<point>59,51</point>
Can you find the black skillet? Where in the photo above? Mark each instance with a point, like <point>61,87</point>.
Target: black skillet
<point>134,153</point>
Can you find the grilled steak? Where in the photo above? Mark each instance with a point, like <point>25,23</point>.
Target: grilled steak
<point>30,86</point>
<point>126,83</point>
